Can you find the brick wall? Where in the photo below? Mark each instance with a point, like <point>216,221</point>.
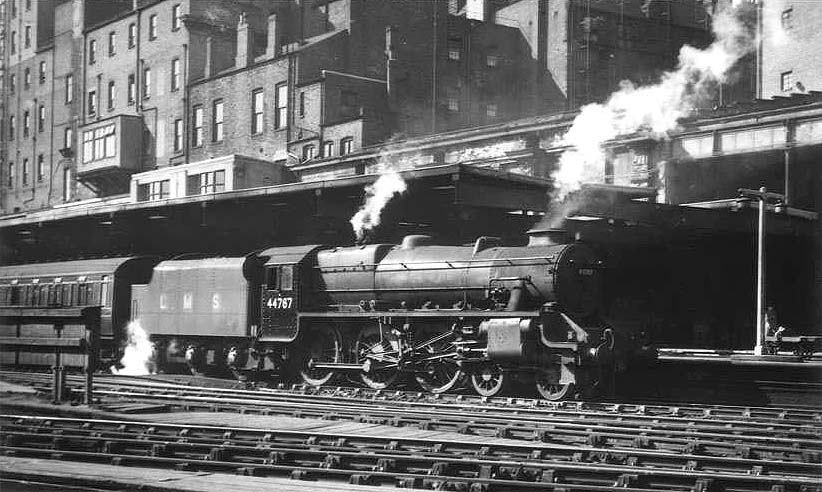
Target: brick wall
<point>791,48</point>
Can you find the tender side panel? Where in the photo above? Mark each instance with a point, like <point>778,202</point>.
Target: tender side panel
<point>205,297</point>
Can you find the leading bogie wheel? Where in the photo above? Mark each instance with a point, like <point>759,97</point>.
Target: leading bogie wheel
<point>489,380</point>
<point>322,345</point>
<point>379,356</point>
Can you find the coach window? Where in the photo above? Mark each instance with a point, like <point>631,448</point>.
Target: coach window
<point>58,291</point>
<point>14,296</point>
<point>104,290</point>
<point>81,298</point>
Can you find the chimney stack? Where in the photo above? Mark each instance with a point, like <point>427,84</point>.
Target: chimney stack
<point>272,47</point>
<point>245,43</point>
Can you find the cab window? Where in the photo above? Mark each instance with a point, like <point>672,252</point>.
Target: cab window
<point>280,277</point>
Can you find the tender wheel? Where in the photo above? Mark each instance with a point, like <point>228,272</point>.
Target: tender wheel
<point>489,380</point>
<point>379,355</point>
<point>553,391</point>
<point>441,374</point>
<point>195,356</point>
<point>321,346</point>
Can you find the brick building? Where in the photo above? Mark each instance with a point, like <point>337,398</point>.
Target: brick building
<point>587,47</point>
<point>790,48</point>
<point>101,91</point>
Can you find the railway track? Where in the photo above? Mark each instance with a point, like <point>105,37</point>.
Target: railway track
<point>776,434</point>
<point>404,462</point>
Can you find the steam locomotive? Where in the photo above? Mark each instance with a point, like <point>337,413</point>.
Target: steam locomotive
<point>483,314</point>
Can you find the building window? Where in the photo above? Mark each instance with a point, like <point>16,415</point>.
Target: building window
<point>12,83</point>
<point>13,42</point>
<point>11,175</point>
<point>302,104</point>
<point>453,104</point>
<point>197,127</point>
<point>66,183</point>
<point>786,82</point>
<point>146,83</point>
<point>217,121</point>
<point>26,124</point>
<point>11,128</point>
<point>92,103</point>
<point>40,168</point>
<point>309,152</point>
<point>69,88</point>
<point>92,51</point>
<point>41,118</point>
<point>491,110</point>
<point>99,143</point>
<point>454,54</point>
<point>26,78</point>
<point>206,183</point>
<point>491,60</point>
<point>132,89</point>
<point>152,27</point>
<point>175,74</point>
<point>42,72</point>
<point>257,111</point>
<point>176,17</point>
<point>28,5</point>
<point>787,19</point>
<point>178,135</point>
<point>328,148</point>
<point>27,37</point>
<point>132,35</point>
<point>112,43</point>
<point>281,116</point>
<point>68,136</point>
<point>112,91</point>
<point>157,190</point>
<point>26,172</point>
<point>345,145</point>
<point>13,8</point>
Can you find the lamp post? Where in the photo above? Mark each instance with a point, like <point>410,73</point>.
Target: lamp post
<point>763,196</point>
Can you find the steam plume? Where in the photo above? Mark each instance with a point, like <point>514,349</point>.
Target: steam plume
<point>654,109</point>
<point>377,196</point>
<point>137,358</point>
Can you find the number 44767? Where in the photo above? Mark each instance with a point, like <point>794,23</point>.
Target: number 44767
<point>280,302</point>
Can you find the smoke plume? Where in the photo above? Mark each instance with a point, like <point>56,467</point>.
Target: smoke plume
<point>653,110</point>
<point>137,358</point>
<point>377,196</point>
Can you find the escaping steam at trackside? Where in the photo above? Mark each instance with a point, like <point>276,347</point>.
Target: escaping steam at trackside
<point>139,353</point>
<point>654,109</point>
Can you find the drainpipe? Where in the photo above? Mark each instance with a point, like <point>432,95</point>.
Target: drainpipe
<point>186,104</point>
<point>435,50</point>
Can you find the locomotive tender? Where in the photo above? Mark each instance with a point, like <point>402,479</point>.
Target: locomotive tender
<point>441,314</point>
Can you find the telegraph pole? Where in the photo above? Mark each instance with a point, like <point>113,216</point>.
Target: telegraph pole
<point>763,196</point>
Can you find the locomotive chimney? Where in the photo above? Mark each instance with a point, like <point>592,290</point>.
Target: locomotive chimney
<point>549,237</point>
